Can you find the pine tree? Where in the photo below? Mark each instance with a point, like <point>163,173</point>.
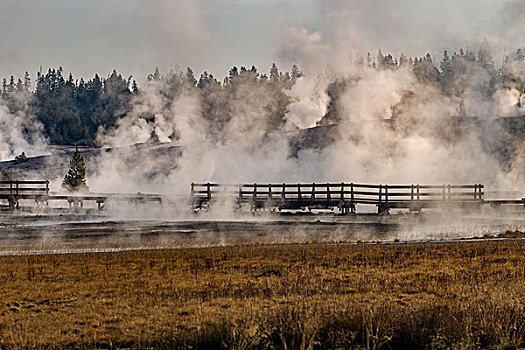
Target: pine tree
<point>190,78</point>
<point>12,86</point>
<point>134,87</point>
<point>379,59</point>
<point>274,73</point>
<point>447,71</point>
<point>296,73</point>
<point>4,88</point>
<point>27,81</point>
<point>155,76</point>
<point>75,179</point>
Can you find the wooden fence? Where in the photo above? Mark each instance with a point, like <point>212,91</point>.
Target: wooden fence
<point>16,190</point>
<point>38,190</point>
<point>344,196</point>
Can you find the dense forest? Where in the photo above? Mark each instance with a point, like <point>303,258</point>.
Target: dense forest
<point>72,111</point>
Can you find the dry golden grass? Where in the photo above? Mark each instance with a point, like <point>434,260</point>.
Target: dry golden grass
<point>468,295</point>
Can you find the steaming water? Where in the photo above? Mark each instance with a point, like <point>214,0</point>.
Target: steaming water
<point>43,235</point>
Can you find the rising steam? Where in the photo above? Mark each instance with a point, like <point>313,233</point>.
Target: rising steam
<point>392,124</point>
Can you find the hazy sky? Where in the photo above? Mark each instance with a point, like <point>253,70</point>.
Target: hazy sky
<point>134,36</point>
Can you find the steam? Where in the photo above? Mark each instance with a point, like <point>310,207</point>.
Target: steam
<point>392,125</point>
<point>392,128</point>
<point>309,102</point>
<point>416,145</point>
<point>20,132</point>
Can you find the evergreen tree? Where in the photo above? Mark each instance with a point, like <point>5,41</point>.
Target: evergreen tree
<point>274,73</point>
<point>190,77</point>
<point>485,58</point>
<point>233,76</point>
<point>425,70</point>
<point>11,87</point>
<point>134,87</point>
<point>155,76</point>
<point>4,88</point>
<point>379,59</point>
<point>27,81</point>
<point>296,73</point>
<point>388,62</point>
<point>75,179</point>
<point>447,71</point>
<point>19,86</point>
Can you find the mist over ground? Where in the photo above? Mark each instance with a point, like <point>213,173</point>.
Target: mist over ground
<point>381,117</point>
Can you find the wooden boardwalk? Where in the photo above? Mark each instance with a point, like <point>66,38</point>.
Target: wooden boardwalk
<point>299,196</point>
<point>343,196</point>
<point>38,191</point>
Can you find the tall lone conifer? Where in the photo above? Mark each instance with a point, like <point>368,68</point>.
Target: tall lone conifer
<point>75,179</point>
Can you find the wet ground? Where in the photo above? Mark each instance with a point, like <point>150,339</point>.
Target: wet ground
<point>26,233</point>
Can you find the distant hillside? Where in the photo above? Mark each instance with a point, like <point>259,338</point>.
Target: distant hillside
<point>509,129</point>
<point>499,136</point>
<point>56,164</point>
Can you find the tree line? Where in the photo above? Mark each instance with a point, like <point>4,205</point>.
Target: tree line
<point>453,75</point>
<point>72,111</point>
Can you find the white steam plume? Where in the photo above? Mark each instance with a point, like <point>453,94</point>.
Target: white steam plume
<point>20,133</point>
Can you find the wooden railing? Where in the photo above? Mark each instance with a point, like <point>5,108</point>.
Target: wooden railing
<point>24,187</point>
<point>38,190</point>
<point>15,190</point>
<point>344,196</point>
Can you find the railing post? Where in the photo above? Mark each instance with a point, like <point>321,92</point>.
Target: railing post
<point>386,198</point>
<point>17,194</point>
<point>481,186</point>
<point>418,204</point>
<point>208,191</point>
<point>328,196</point>
<point>313,192</point>
<point>283,193</point>
<point>47,193</point>
<point>411,197</point>
<point>379,204</point>
<point>478,194</point>
<point>342,191</point>
<point>270,195</point>
<point>449,192</point>
<point>299,195</point>
<point>192,192</point>
<point>352,198</point>
<point>240,199</point>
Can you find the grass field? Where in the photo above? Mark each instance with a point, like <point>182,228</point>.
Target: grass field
<point>421,296</point>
